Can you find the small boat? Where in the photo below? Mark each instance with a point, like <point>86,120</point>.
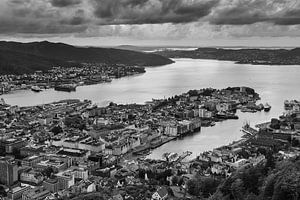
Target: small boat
<point>36,88</point>
<point>267,107</point>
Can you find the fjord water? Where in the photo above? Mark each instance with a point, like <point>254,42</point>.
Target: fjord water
<point>273,83</point>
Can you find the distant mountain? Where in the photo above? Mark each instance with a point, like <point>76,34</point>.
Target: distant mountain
<point>18,58</point>
<point>137,48</point>
<point>243,56</point>
<point>153,48</point>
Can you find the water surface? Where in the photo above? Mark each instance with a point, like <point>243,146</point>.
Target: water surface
<point>273,83</point>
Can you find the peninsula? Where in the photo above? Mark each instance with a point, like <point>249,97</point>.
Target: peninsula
<point>242,56</point>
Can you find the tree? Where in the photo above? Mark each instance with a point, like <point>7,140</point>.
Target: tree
<point>47,172</point>
<point>193,187</point>
<point>295,142</point>
<point>56,130</point>
<point>2,192</point>
<point>175,180</point>
<point>238,189</point>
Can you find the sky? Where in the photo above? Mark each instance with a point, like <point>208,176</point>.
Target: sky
<point>153,22</point>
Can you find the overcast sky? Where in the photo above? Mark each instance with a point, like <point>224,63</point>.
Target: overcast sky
<point>153,22</point>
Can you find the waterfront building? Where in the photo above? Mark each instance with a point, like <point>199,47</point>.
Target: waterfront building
<point>171,129</point>
<point>222,107</point>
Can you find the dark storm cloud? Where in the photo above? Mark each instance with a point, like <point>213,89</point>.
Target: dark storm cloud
<point>64,3</point>
<point>78,18</point>
<point>238,16</point>
<point>291,17</point>
<point>245,12</point>
<point>151,11</point>
<point>141,18</point>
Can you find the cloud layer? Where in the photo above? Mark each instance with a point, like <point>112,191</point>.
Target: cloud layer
<point>172,19</point>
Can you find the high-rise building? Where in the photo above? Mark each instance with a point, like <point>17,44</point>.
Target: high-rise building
<point>8,171</point>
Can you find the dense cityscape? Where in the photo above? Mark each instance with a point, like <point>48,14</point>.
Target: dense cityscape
<point>67,79</point>
<point>149,100</point>
<point>73,149</point>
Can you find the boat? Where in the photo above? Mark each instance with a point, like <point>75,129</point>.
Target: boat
<point>245,109</point>
<point>65,88</point>
<point>36,88</point>
<point>267,107</point>
<point>248,130</point>
<point>172,157</point>
<point>227,115</point>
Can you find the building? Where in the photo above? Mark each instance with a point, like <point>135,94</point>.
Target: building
<point>65,179</point>
<point>80,173</point>
<point>160,194</point>
<point>17,192</point>
<point>38,193</point>
<point>31,177</point>
<point>11,145</point>
<point>171,129</point>
<point>31,150</point>
<point>84,143</point>
<point>51,185</point>
<point>8,171</point>
<point>222,107</point>
<point>31,161</point>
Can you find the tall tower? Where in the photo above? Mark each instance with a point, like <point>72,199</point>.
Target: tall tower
<point>8,171</point>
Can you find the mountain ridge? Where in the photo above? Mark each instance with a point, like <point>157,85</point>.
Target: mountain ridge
<point>49,54</point>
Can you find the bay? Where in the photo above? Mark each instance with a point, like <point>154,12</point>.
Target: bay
<point>274,84</point>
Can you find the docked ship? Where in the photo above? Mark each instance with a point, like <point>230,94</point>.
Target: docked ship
<point>248,130</point>
<point>36,88</point>
<point>226,115</point>
<point>65,88</point>
<point>267,107</point>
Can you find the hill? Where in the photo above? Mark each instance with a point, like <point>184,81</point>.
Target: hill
<point>243,56</point>
<point>17,58</point>
<point>280,182</point>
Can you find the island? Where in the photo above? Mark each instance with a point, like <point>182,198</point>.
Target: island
<point>242,56</point>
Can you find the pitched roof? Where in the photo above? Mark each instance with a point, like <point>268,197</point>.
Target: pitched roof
<point>162,192</point>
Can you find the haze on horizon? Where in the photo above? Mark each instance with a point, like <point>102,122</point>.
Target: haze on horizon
<point>153,22</point>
